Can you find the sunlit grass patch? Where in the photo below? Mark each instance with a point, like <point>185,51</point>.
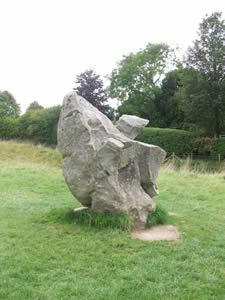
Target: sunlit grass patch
<point>28,153</point>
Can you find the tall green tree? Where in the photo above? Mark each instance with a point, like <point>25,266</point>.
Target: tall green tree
<point>204,80</point>
<point>34,105</point>
<point>8,105</point>
<point>90,86</point>
<point>136,80</point>
<point>169,103</point>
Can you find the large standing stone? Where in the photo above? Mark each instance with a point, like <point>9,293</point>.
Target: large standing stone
<point>104,168</point>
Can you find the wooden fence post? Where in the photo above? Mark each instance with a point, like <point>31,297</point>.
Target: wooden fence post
<point>173,157</point>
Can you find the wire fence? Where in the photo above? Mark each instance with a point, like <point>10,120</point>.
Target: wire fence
<point>194,156</point>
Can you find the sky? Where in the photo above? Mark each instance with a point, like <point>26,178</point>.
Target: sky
<point>45,44</point>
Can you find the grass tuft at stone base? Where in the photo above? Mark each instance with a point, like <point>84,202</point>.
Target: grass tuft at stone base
<point>88,218</point>
<point>158,217</point>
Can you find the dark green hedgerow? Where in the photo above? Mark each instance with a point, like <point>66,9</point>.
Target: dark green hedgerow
<point>171,140</point>
<point>39,126</point>
<point>9,128</point>
<point>218,146</point>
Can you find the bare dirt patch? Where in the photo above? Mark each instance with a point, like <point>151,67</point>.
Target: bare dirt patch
<point>170,213</point>
<point>157,233</point>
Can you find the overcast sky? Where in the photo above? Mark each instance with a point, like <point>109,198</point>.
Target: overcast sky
<point>46,43</point>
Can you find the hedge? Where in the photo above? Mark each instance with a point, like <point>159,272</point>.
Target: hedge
<point>218,146</point>
<point>9,128</point>
<point>39,126</point>
<point>171,140</point>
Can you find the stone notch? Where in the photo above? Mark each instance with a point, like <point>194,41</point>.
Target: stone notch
<point>105,170</point>
<point>131,126</point>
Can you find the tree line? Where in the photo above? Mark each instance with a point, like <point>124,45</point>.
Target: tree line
<point>153,84</point>
<point>190,96</point>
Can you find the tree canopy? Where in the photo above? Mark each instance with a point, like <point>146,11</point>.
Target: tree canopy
<point>139,72</point>
<point>168,103</point>
<point>90,86</point>
<point>136,81</point>
<point>190,96</point>
<point>204,80</point>
<point>34,105</point>
<point>8,105</point>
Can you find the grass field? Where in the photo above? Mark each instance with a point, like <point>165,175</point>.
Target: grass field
<point>46,253</point>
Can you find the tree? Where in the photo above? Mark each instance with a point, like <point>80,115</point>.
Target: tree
<point>204,80</point>
<point>40,125</point>
<point>91,87</point>
<point>8,105</point>
<point>34,105</point>
<point>136,80</point>
<point>168,103</point>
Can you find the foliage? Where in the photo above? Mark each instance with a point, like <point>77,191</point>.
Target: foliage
<point>204,80</point>
<point>171,140</point>
<point>40,125</point>
<point>9,128</point>
<point>29,124</point>
<point>34,105</point>
<point>91,87</point>
<point>8,105</point>
<point>139,72</point>
<point>135,82</point>
<point>218,146</point>
<point>181,142</point>
<point>168,102</point>
<point>158,217</point>
<point>202,145</point>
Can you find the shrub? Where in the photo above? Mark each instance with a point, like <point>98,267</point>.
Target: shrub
<point>47,132</point>
<point>29,123</point>
<point>218,146</point>
<point>171,140</point>
<point>9,128</point>
<point>203,145</point>
<point>40,125</point>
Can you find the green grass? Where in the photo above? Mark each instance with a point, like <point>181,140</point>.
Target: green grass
<point>46,252</point>
<point>159,216</point>
<point>199,166</point>
<point>88,218</point>
<point>27,153</point>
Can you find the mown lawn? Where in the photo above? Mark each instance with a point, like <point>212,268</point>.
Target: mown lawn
<point>44,254</point>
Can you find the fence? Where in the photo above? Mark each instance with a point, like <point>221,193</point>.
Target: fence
<point>194,156</point>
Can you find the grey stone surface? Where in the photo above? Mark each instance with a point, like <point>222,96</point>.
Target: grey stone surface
<point>104,169</point>
<point>131,126</point>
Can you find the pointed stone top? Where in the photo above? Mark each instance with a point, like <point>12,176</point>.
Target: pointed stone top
<point>130,125</point>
